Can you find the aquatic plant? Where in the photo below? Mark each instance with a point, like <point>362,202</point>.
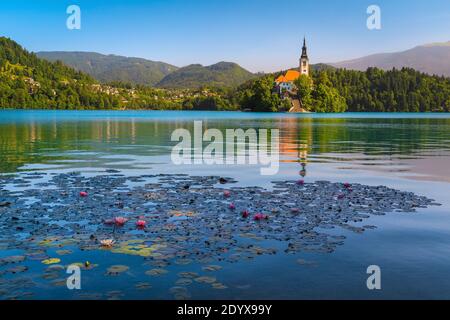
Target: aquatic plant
<point>120,221</point>
<point>107,243</point>
<point>141,224</point>
<point>260,216</point>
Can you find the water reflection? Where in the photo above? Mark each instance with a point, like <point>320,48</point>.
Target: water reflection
<point>95,140</point>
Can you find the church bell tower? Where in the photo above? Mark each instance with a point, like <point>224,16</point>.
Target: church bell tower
<point>304,60</point>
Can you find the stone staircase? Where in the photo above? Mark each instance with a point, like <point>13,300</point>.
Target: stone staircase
<point>296,106</point>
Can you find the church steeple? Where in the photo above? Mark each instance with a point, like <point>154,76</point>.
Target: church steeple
<point>304,60</point>
<point>304,49</point>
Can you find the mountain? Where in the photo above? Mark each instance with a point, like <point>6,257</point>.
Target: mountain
<point>108,68</point>
<point>27,81</point>
<point>432,59</point>
<point>194,76</point>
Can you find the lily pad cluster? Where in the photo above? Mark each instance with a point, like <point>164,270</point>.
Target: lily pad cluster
<point>181,219</point>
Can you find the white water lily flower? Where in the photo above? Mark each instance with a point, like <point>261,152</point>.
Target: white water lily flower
<point>107,243</point>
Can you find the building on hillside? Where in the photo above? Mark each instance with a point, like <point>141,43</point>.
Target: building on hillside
<point>285,83</point>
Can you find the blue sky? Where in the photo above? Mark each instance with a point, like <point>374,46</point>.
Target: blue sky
<point>261,35</point>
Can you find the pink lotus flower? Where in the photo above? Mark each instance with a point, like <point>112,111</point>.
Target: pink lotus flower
<point>260,216</point>
<point>141,224</point>
<point>83,194</point>
<point>301,182</point>
<point>245,214</point>
<point>232,206</point>
<point>227,194</point>
<point>120,221</point>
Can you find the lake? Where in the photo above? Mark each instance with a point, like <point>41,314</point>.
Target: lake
<point>407,152</point>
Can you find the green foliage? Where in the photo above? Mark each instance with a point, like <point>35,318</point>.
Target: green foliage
<point>222,74</point>
<point>259,96</point>
<point>29,82</point>
<point>375,90</point>
<point>305,89</point>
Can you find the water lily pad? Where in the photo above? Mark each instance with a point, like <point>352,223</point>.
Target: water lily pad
<point>303,262</point>
<point>143,286</point>
<point>137,248</point>
<point>183,282</point>
<point>188,275</point>
<point>219,286</point>
<point>180,293</point>
<point>51,261</point>
<point>205,279</point>
<point>183,261</point>
<point>116,270</point>
<point>212,268</point>
<point>63,252</point>
<point>17,269</point>
<point>11,259</point>
<point>156,272</point>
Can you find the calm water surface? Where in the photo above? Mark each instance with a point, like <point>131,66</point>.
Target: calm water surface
<point>409,152</point>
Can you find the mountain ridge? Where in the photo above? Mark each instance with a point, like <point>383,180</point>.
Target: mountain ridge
<point>111,67</point>
<point>433,59</point>
<point>140,71</point>
<point>228,74</point>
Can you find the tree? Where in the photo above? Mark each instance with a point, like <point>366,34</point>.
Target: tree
<point>305,88</point>
<point>261,97</point>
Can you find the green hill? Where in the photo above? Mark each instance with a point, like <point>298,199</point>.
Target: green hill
<point>109,68</point>
<point>222,74</point>
<point>29,82</point>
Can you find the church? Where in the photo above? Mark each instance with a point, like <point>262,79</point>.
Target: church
<point>286,82</point>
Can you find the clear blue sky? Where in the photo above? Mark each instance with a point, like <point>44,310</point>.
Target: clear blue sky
<point>261,35</point>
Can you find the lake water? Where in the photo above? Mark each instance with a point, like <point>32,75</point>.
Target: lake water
<point>409,152</point>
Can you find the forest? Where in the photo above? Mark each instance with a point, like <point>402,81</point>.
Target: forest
<point>28,82</point>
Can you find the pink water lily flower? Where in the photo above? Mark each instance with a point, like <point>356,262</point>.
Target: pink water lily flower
<point>347,185</point>
<point>83,194</point>
<point>245,214</point>
<point>141,224</point>
<point>232,206</point>
<point>227,194</point>
<point>120,221</point>
<point>301,182</point>
<point>260,216</point>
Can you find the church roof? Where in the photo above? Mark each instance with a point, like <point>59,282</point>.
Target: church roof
<point>290,76</point>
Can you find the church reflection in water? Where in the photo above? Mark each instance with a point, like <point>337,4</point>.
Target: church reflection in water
<point>296,141</point>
